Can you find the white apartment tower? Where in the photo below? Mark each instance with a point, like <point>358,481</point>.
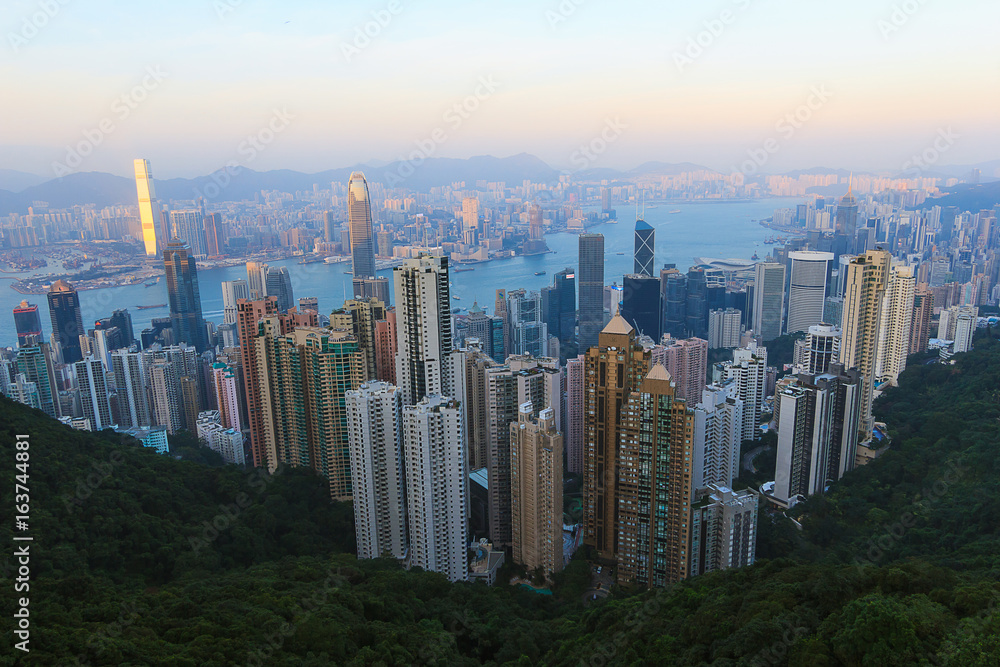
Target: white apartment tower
<point>894,329</point>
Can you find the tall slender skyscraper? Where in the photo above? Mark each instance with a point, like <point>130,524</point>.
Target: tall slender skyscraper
<point>564,291</point>
<point>93,393</point>
<point>616,367</point>
<point>769,300</point>
<point>232,291</point>
<point>847,218</point>
<point>278,282</point>
<point>374,418</point>
<point>894,329</point>
<point>437,486</point>
<point>131,380</point>
<point>591,276</point>
<point>149,208</point>
<point>644,235</point>
<point>189,225</point>
<point>655,491</point>
<point>920,328</point>
<point>67,321</point>
<point>215,237</point>
<point>641,304</point>
<point>34,363</point>
<point>359,221</point>
<point>256,280</point>
<point>423,321</point>
<point>536,462</point>
<point>185,298</point>
<point>867,278</point>
<point>27,322</point>
<point>807,291</point>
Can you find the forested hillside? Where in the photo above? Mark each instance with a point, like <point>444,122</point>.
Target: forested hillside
<point>140,559</point>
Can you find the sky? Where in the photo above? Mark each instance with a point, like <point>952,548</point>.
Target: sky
<point>310,85</point>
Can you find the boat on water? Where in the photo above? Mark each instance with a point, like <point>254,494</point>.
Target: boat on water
<point>158,305</point>
<point>619,253</point>
<point>539,273</point>
<point>755,257</point>
<point>455,297</point>
<point>676,210</point>
<point>467,268</point>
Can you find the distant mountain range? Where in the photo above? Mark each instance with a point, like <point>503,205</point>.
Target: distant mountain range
<point>19,189</point>
<point>968,197</point>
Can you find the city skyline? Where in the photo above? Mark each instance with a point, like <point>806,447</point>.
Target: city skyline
<point>739,87</point>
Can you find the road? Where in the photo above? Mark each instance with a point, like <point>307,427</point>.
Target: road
<point>749,457</point>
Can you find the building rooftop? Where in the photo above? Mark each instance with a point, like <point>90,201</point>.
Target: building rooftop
<point>617,325</point>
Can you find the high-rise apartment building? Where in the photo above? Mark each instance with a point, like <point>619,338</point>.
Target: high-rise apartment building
<point>591,285</point>
<point>536,462</point>
<point>477,362</point>
<point>865,284</point>
<point>655,470</point>
<point>359,317</point>
<point>67,321</point>
<point>920,327</point>
<point>36,365</point>
<point>894,328</point>
<point>227,442</point>
<point>256,280</point>
<point>437,480</point>
<point>165,394</point>
<point>725,328</point>
<point>718,435</point>
<point>227,397</point>
<point>748,370</point>
<point>817,432</point>
<point>215,235</point>
<point>186,319</point>
<point>307,373</point>
<point>374,416</point>
<point>723,529</point>
<point>131,381</point>
<point>149,208</point>
<point>821,348</point>
<point>93,387</point>
<point>807,288</point>
<point>189,225</point>
<point>575,394</point>
<point>386,347</point>
<point>769,300</point>
<point>614,368</point>
<point>424,327</point>
<point>522,380</point>
<point>687,362</point>
<point>232,292</point>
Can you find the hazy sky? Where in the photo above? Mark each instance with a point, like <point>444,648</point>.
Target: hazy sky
<point>893,74</point>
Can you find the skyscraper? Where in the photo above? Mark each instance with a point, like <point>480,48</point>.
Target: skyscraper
<point>718,435</point>
<point>437,480</point>
<point>523,379</point>
<point>306,373</point>
<point>93,387</point>
<point>149,208</point>
<point>249,314</point>
<point>257,280</point>
<point>867,278</point>
<point>920,328</point>
<point>749,372</point>
<point>641,304</point>
<point>232,291</point>
<point>27,322</point>
<point>536,462</point>
<point>847,219</point>
<point>615,367</point>
<point>655,491</point>
<point>822,348</point>
<point>278,282</point>
<point>359,317</point>
<point>807,290</point>
<point>359,220</point>
<point>35,364</point>
<point>673,287</point>
<point>131,381</point>
<point>687,362</point>
<point>696,307</point>
<point>184,296</point>
<point>424,326</point>
<point>817,432</point>
<point>470,213</point>
<point>644,243</point>
<point>894,328</point>
<point>189,225</point>
<point>769,300</point>
<point>374,416</point>
<point>215,236</point>
<point>564,290</point>
<point>723,529</point>
<point>227,395</point>
<point>591,279</point>
<point>67,321</point>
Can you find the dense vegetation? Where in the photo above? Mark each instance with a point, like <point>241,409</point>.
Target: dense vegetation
<point>896,565</point>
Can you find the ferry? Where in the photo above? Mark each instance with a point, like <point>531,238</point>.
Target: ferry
<point>467,268</point>
<point>539,273</point>
<point>455,297</point>
<point>675,211</point>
